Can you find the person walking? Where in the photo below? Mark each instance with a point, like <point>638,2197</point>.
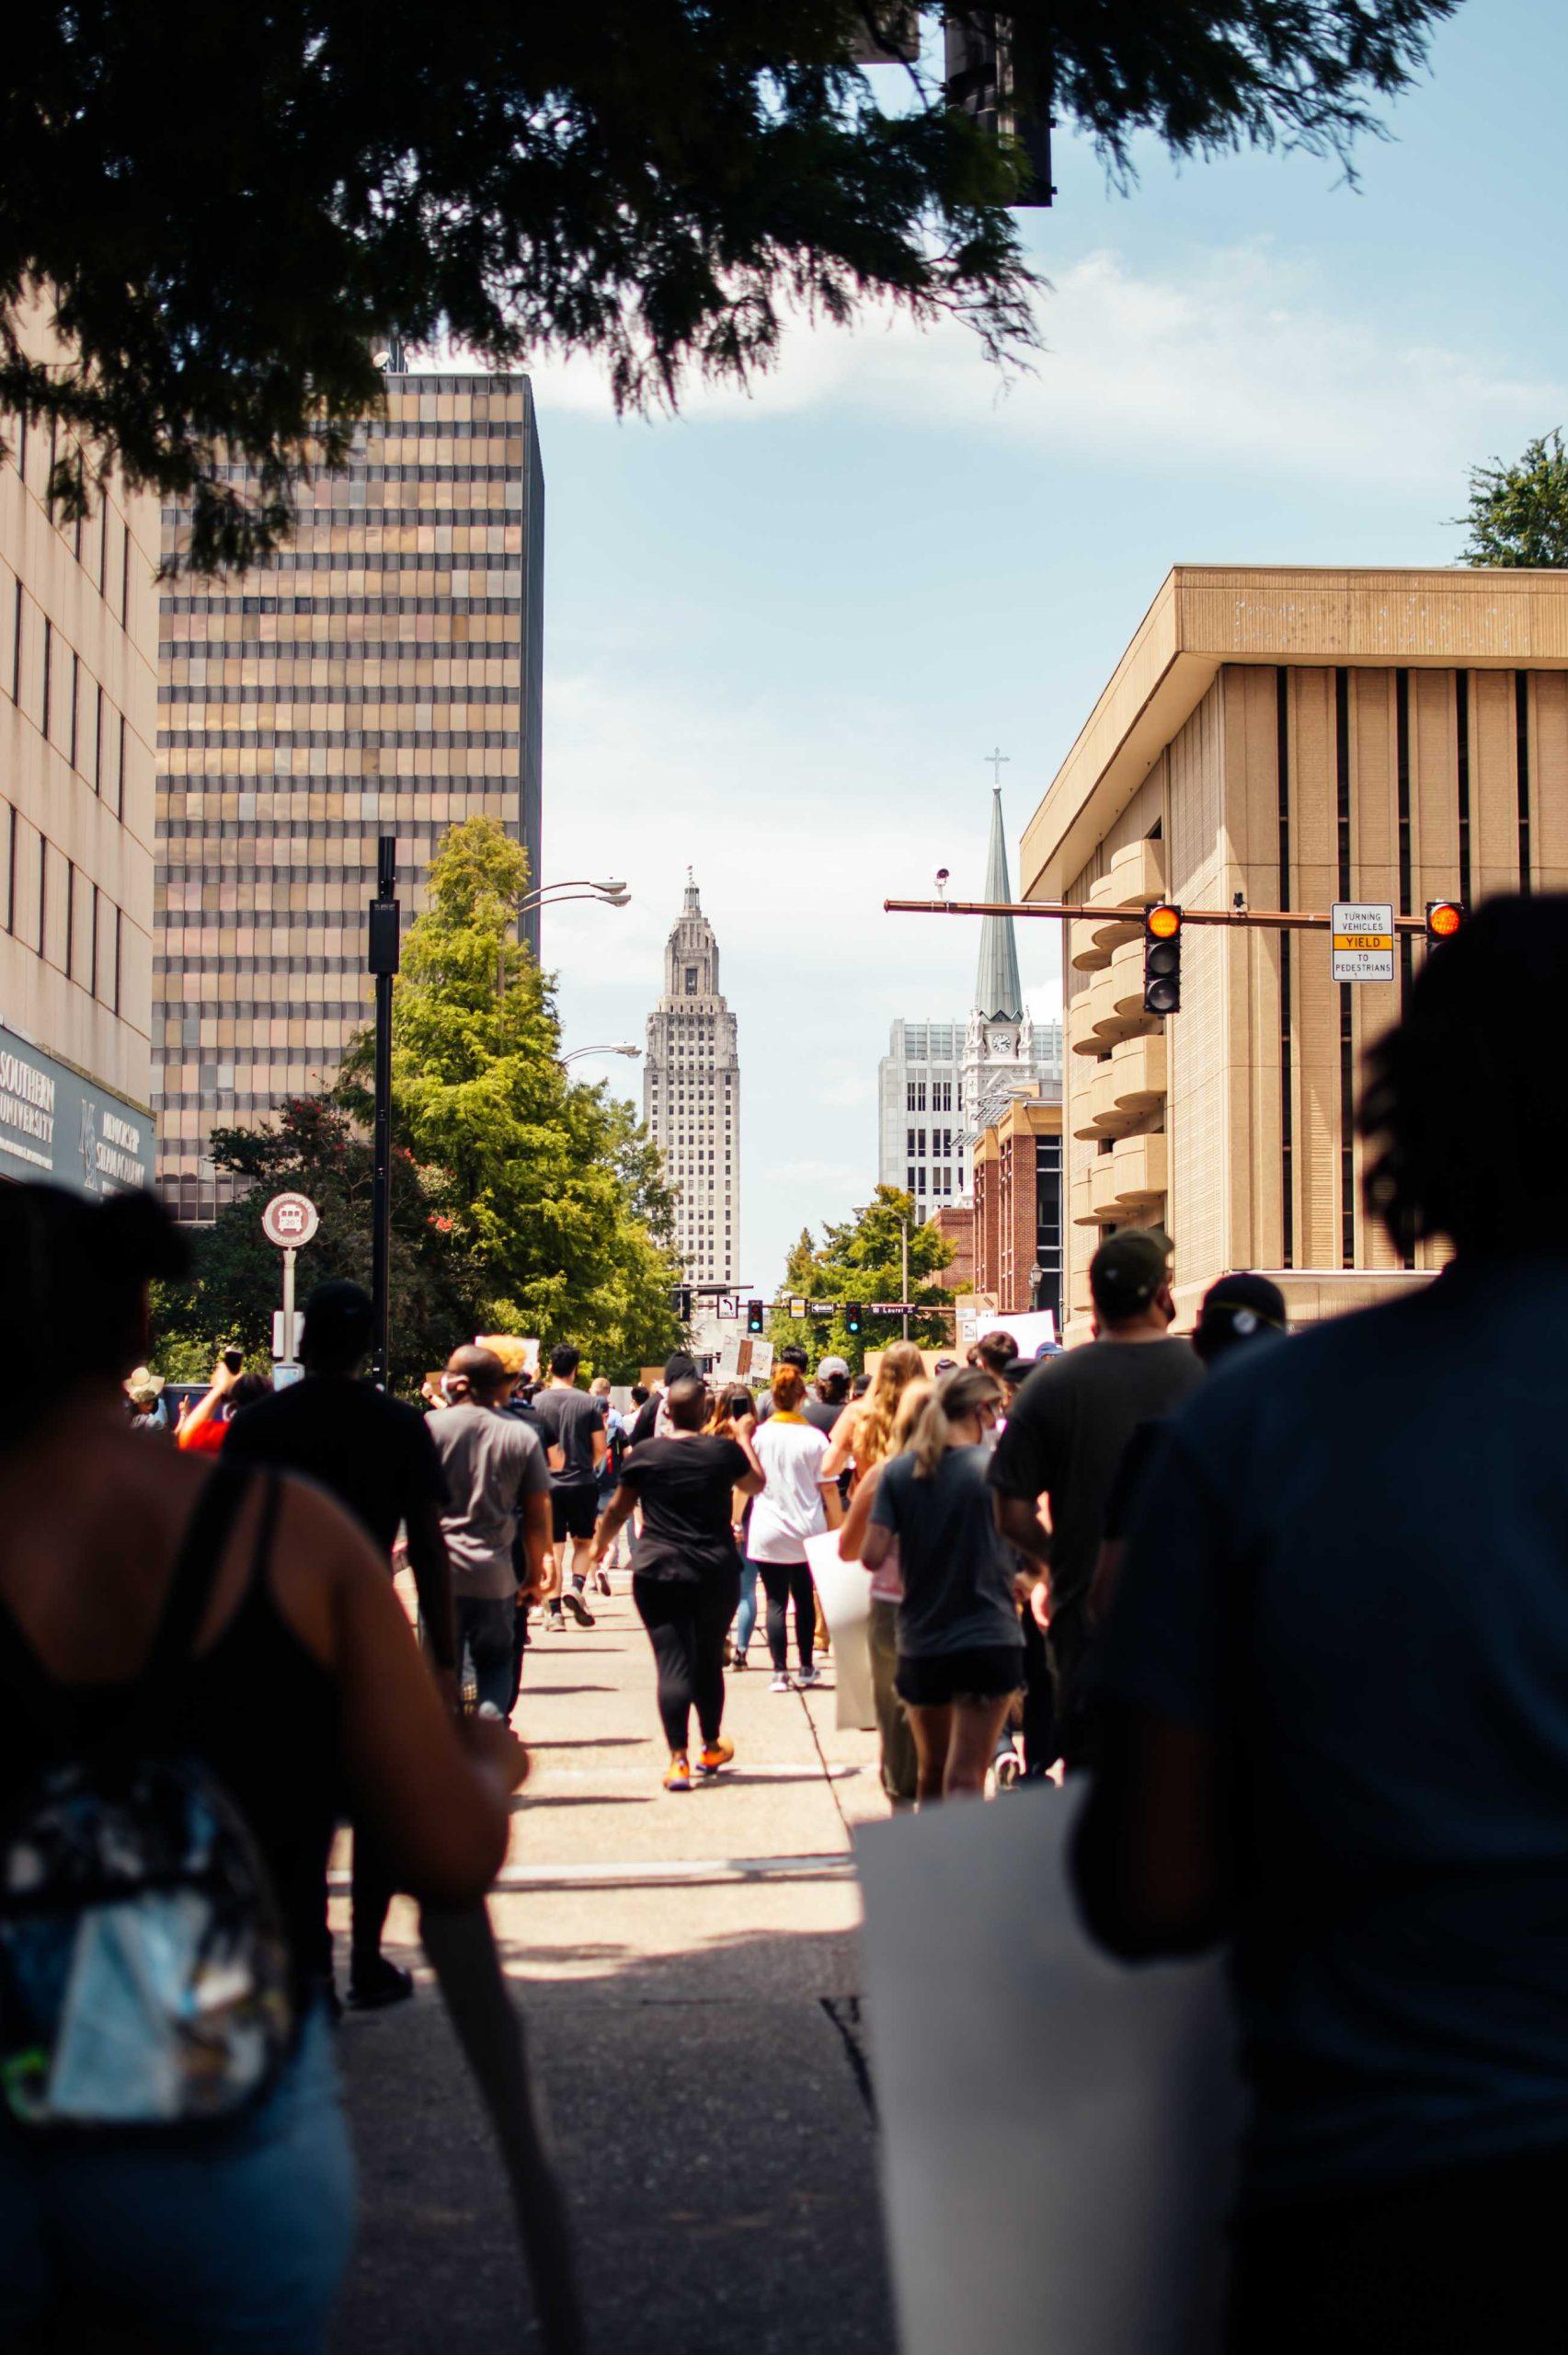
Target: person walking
<point>375,1455</point>
<point>578,1445</point>
<point>734,1417</point>
<point>801,1499</point>
<point>496,1481</point>
<point>960,1646</point>
<point>791,1354</point>
<point>832,1389</point>
<point>863,1432</point>
<point>1348,1760</point>
<point>1066,1429</point>
<point>685,1568</point>
<point>900,1764</point>
<point>149,1598</point>
<point>608,1470</point>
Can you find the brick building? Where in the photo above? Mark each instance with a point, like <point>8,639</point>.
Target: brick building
<point>955,1222</point>
<point>1018,1207</point>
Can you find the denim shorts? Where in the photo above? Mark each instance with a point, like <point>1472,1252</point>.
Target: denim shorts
<point>230,2239</point>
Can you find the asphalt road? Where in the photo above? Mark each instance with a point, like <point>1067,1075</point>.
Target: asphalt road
<point>687,1969</point>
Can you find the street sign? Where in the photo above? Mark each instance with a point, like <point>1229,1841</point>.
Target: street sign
<point>892,1307</point>
<point>798,1306</point>
<point>1363,936</point>
<point>728,1304</point>
<point>289,1220</point>
<point>286,1347</point>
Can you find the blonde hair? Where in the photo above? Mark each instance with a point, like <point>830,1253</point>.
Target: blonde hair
<point>956,1397</point>
<point>901,1364</point>
<point>789,1388</point>
<point>512,1354</point>
<point>915,1397</point>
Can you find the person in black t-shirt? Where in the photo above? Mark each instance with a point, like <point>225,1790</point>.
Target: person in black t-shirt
<point>375,1455</point>
<point>577,1444</point>
<point>685,1568</point>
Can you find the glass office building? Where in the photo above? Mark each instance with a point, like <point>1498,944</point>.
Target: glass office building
<point>382,676</point>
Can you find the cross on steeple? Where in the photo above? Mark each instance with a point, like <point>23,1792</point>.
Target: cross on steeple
<point>997,762</point>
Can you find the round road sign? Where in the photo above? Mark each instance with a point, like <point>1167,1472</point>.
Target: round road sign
<point>289,1220</point>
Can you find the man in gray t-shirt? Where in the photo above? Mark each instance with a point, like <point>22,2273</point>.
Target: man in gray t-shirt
<point>498,1482</point>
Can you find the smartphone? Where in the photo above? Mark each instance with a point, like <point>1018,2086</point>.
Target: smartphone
<point>234,1360</point>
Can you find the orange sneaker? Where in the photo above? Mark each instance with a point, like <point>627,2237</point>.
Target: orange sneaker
<point>678,1777</point>
<point>715,1755</point>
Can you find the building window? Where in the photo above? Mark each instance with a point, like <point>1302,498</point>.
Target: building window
<point>909,1095</point>
<point>48,671</point>
<point>690,980</point>
<point>75,698</point>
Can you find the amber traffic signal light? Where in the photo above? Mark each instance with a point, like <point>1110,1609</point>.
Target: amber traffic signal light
<point>1443,918</point>
<point>1162,958</point>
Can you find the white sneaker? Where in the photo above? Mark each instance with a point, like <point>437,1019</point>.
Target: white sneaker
<point>781,1684</point>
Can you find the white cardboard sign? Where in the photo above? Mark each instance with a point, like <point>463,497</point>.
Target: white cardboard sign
<point>846,1589</point>
<point>1363,940</point>
<point>1059,2131</point>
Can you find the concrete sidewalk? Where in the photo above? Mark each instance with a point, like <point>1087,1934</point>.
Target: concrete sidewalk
<point>688,1966</point>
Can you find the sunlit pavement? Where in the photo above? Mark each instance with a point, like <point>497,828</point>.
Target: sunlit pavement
<point>688,1968</point>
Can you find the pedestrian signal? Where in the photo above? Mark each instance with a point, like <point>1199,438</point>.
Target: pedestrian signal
<point>1443,918</point>
<point>1161,959</point>
<point>754,1317</point>
<point>851,1316</point>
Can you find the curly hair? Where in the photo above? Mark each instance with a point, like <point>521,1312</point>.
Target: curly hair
<point>1435,1168</point>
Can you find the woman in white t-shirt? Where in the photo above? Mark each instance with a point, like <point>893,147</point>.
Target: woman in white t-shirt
<point>799,1501</point>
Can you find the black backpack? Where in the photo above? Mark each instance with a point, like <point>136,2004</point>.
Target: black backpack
<point>144,1976</point>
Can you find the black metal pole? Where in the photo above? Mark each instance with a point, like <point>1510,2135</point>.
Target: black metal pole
<point>384,946</point>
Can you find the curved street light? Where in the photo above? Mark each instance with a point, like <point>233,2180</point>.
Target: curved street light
<point>624,1047</point>
<point>613,893</point>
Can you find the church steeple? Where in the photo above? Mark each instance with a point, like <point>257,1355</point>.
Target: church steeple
<point>998,993</point>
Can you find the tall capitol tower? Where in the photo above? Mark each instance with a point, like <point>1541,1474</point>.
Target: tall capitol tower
<point>691,1098</point>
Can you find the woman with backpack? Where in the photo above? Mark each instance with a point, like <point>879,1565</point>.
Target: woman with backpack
<point>195,1659</point>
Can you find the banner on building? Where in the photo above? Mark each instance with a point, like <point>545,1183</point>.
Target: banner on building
<point>57,1126</point>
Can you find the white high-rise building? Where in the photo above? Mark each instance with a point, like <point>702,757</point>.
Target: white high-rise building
<point>691,1101</point>
<point>940,1082</point>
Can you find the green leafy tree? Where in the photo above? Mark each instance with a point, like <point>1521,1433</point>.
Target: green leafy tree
<point>1518,514</point>
<point>236,1277</point>
<point>862,1260</point>
<point>232,203</point>
<point>557,1199</point>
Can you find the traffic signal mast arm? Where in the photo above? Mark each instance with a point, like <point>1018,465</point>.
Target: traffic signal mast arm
<point>1262,919</point>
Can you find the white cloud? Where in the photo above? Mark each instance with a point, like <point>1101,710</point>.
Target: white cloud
<point>1243,357</point>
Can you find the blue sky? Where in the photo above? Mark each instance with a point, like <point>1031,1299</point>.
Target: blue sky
<point>783,632</point>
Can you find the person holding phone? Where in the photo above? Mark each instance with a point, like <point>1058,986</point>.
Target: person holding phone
<point>205,1429</point>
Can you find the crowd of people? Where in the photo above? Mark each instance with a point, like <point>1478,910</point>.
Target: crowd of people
<point>1293,1611</point>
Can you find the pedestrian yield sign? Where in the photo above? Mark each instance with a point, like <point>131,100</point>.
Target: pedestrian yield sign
<point>1363,935</point>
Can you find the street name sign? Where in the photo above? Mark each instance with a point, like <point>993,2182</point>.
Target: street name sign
<point>290,1221</point>
<point>1363,935</point>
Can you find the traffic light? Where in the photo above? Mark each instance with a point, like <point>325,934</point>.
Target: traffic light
<point>1443,918</point>
<point>851,1316</point>
<point>1161,959</point>
<point>754,1317</point>
<point>680,1302</point>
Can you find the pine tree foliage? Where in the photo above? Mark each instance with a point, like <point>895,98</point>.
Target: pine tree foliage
<point>1518,514</point>
<point>231,201</point>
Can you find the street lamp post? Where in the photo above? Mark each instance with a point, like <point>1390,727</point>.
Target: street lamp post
<point>624,1049</point>
<point>384,946</point>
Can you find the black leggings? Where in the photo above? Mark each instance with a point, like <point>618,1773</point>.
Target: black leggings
<point>686,1626</point>
<point>787,1583</point>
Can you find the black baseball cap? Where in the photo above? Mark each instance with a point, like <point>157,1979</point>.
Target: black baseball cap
<point>1127,1270</point>
<point>1240,1306</point>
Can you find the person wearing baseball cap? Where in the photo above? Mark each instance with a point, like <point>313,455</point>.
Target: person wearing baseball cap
<point>832,1394</point>
<point>1065,1435</point>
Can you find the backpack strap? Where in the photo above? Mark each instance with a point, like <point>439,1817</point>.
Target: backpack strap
<point>51,1705</point>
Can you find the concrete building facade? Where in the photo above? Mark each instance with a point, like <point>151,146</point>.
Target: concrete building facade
<point>920,1087</point>
<point>692,1102</point>
<point>1295,737</point>
<point>383,675</point>
<point>78,689</point>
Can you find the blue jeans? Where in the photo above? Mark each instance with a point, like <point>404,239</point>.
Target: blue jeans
<point>486,1624</point>
<point>746,1617</point>
<point>233,2238</point>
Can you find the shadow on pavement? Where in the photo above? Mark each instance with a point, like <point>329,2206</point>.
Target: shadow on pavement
<point>717,2151</point>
